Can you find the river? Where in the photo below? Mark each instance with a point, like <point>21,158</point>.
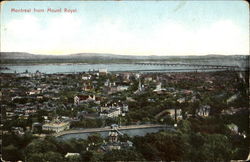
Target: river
<point>104,134</point>
<point>76,68</point>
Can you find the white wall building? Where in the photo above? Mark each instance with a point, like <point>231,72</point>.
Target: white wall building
<point>111,113</point>
<point>56,127</point>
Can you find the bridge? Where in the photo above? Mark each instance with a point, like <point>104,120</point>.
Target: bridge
<point>118,131</point>
<point>106,129</point>
<point>192,65</point>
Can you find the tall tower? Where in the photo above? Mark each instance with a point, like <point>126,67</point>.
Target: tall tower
<point>139,85</point>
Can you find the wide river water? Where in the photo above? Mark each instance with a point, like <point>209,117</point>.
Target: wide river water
<point>75,68</point>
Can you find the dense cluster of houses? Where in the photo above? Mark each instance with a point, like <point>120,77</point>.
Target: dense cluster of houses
<point>29,92</point>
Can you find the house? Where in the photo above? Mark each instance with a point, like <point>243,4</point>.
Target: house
<point>86,98</point>
<point>33,92</point>
<point>148,79</point>
<point>71,154</point>
<point>107,83</point>
<point>137,76</point>
<point>56,126</point>
<point>232,98</point>
<point>158,88</point>
<point>36,126</point>
<point>181,100</point>
<point>103,71</point>
<point>233,127</point>
<point>172,114</point>
<point>231,111</point>
<point>37,74</point>
<point>30,111</point>
<point>10,115</point>
<point>18,130</point>
<point>125,108</point>
<point>130,99</point>
<point>87,87</point>
<point>86,77</point>
<point>112,90</point>
<point>126,77</point>
<point>115,89</point>
<point>187,92</point>
<point>26,74</point>
<point>111,113</point>
<point>103,108</point>
<point>203,111</point>
<point>122,88</point>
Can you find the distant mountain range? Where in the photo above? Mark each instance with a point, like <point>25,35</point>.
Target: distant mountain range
<point>97,58</point>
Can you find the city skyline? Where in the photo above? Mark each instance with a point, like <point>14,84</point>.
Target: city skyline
<point>126,28</point>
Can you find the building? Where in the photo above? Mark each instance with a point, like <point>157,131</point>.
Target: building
<point>203,111</point>
<point>56,126</point>
<point>140,88</point>
<point>233,127</point>
<point>122,88</point>
<point>88,87</point>
<point>36,127</point>
<point>159,88</point>
<point>86,77</point>
<point>181,100</point>
<point>103,71</point>
<point>34,92</point>
<point>86,98</point>
<point>111,113</point>
<point>174,112</point>
<point>113,136</point>
<point>125,108</point>
<point>115,89</point>
<point>114,143</point>
<point>232,98</point>
<point>69,154</point>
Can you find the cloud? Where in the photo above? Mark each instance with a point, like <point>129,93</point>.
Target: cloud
<point>31,34</point>
<point>25,26</point>
<point>222,37</point>
<point>71,34</point>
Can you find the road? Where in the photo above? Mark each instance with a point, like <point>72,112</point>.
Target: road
<point>92,130</point>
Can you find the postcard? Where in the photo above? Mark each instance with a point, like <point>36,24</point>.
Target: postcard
<point>124,81</point>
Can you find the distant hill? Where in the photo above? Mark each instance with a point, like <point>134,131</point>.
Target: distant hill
<point>24,57</point>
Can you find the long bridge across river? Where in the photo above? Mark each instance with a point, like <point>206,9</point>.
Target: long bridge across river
<point>192,65</point>
<point>106,129</point>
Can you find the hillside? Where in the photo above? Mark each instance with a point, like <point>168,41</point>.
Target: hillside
<point>23,57</point>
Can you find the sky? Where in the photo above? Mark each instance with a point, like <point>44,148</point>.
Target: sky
<point>127,27</point>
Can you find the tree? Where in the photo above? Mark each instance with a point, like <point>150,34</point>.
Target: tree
<point>87,156</point>
<point>184,126</point>
<point>122,155</point>
<point>39,146</point>
<point>217,148</point>
<point>11,153</point>
<point>149,152</point>
<point>44,157</point>
<point>95,138</point>
<point>167,146</point>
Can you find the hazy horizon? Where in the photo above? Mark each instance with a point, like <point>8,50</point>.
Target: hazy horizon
<point>68,54</point>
